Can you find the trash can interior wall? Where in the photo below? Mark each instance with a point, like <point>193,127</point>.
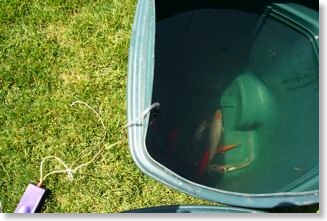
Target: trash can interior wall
<point>261,73</point>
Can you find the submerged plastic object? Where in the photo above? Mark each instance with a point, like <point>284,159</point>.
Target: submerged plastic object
<point>255,61</point>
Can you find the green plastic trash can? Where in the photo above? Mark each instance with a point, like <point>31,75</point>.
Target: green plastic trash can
<point>192,209</point>
<point>238,87</point>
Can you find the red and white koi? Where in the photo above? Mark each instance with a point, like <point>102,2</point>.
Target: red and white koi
<point>215,133</point>
<point>213,127</point>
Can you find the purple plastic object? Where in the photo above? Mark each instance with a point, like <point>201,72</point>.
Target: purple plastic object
<point>31,200</point>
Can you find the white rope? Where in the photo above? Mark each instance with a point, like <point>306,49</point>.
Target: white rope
<point>70,172</point>
<point>100,119</point>
<point>138,120</point>
<point>67,169</point>
<point>94,111</point>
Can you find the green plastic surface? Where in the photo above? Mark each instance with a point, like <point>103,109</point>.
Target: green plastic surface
<point>258,64</point>
<point>192,209</point>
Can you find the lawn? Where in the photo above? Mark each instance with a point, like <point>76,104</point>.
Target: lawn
<point>53,53</point>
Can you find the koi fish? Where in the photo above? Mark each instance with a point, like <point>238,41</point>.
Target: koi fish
<point>215,132</point>
<point>210,131</point>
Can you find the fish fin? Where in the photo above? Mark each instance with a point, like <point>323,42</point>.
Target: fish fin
<point>226,148</point>
<point>217,168</point>
<point>229,167</point>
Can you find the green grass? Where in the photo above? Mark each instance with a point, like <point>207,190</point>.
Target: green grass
<point>51,54</point>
